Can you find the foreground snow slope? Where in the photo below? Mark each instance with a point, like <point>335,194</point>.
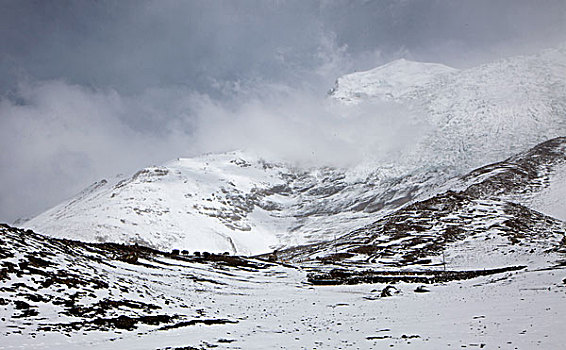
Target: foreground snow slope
<point>242,203</point>
<point>64,294</point>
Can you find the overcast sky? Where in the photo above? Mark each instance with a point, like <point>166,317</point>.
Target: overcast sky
<point>93,88</point>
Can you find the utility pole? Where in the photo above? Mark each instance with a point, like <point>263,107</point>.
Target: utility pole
<point>335,248</point>
<point>443,260</point>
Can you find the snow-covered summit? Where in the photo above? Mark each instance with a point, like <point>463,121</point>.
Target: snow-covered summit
<point>389,81</point>
<point>197,203</point>
<point>473,116</point>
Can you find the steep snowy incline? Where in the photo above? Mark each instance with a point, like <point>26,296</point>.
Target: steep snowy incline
<point>456,228</point>
<point>231,202</point>
<point>535,178</point>
<point>197,204</point>
<point>483,211</point>
<point>475,116</point>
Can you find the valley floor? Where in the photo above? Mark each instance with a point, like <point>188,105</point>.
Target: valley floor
<point>258,305</point>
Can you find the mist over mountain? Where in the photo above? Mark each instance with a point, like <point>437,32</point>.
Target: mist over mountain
<point>89,90</point>
<point>391,136</point>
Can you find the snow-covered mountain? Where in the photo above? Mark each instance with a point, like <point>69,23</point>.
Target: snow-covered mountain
<point>475,116</point>
<point>232,202</point>
<point>242,203</point>
<point>478,220</point>
<point>393,81</point>
<point>477,255</point>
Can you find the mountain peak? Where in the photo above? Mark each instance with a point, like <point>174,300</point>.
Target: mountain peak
<point>388,81</point>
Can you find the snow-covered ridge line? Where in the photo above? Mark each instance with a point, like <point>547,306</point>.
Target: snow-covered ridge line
<point>227,202</point>
<point>390,81</point>
<point>221,203</point>
<point>242,203</point>
<point>476,116</point>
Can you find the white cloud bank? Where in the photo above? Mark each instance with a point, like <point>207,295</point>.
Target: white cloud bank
<point>60,137</point>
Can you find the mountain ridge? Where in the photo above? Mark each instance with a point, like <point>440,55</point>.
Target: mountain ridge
<point>242,203</point>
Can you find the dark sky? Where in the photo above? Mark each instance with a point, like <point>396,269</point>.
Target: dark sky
<point>92,88</point>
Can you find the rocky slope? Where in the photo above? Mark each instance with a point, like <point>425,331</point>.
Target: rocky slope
<point>535,178</point>
<point>485,209</point>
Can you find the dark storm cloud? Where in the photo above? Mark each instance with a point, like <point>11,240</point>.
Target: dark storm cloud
<point>130,45</point>
<point>92,88</point>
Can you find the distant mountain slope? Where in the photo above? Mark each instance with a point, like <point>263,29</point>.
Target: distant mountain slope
<point>241,203</point>
<point>478,221</point>
<point>475,116</point>
<point>229,202</point>
<point>201,204</point>
<point>391,81</point>
<point>218,203</point>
